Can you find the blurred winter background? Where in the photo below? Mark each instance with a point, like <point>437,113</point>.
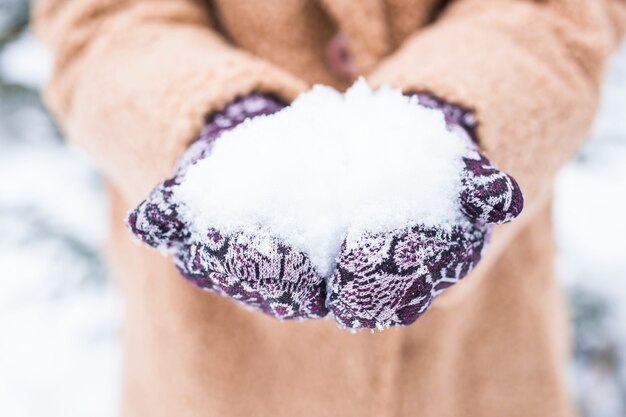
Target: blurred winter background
<point>59,317</point>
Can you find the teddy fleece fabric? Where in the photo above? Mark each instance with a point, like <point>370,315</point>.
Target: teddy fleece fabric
<point>132,85</point>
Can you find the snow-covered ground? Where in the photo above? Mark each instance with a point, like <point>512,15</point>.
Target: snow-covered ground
<point>59,317</point>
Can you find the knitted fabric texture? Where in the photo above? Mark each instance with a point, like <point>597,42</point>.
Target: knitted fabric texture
<point>382,279</point>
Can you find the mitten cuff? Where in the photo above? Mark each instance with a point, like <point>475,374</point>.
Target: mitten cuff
<point>457,117</point>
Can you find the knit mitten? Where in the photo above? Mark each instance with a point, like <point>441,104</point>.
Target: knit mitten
<point>391,278</point>
<point>259,271</point>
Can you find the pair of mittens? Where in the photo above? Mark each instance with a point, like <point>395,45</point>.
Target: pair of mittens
<point>381,279</point>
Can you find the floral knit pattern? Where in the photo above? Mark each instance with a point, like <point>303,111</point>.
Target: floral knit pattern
<point>278,280</point>
<point>389,279</point>
<point>489,195</point>
<point>381,279</point>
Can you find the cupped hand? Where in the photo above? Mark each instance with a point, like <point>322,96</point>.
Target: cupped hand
<point>257,270</point>
<point>392,278</point>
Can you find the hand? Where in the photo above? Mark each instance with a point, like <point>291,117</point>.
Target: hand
<point>390,279</point>
<point>259,271</point>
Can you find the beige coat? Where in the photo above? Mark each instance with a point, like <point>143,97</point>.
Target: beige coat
<point>133,82</point>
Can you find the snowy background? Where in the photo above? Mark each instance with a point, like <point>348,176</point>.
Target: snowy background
<point>59,317</point>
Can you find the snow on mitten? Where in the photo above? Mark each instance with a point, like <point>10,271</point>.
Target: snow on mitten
<point>391,278</point>
<point>489,195</point>
<point>257,270</point>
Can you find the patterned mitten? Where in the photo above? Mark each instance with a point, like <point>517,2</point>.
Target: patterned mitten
<point>261,272</point>
<point>390,279</point>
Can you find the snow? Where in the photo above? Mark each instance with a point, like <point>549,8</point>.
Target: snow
<point>26,61</point>
<point>310,174</point>
<point>59,315</point>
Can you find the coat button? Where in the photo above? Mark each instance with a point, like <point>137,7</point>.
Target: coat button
<point>339,59</point>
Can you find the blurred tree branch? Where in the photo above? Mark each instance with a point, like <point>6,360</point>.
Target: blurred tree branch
<point>14,16</point>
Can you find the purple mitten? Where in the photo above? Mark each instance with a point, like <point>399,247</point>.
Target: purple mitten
<point>261,272</point>
<point>390,279</point>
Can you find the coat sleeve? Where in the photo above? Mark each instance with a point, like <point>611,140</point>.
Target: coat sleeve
<point>133,80</point>
<point>530,70</point>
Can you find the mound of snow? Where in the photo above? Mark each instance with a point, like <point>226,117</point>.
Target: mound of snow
<point>327,167</point>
